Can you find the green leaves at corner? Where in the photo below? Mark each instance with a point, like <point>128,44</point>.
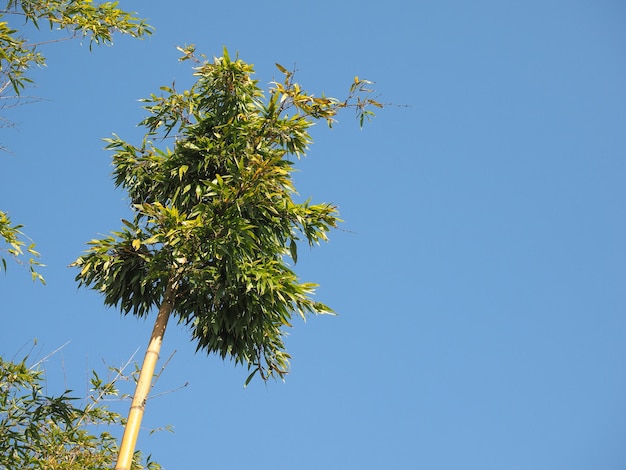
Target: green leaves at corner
<point>16,246</point>
<point>81,19</point>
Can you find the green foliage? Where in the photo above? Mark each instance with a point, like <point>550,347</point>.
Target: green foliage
<point>15,245</point>
<point>56,432</point>
<point>215,216</point>
<point>80,18</point>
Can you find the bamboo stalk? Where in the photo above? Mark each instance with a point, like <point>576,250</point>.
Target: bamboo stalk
<point>138,405</point>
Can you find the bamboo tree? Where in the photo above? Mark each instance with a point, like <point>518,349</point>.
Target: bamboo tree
<point>215,219</point>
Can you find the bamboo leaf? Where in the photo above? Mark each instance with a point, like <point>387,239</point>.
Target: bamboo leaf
<point>293,248</point>
<point>250,377</point>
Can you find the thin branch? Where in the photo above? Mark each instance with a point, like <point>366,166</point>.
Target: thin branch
<point>22,347</point>
<point>51,41</point>
<point>49,355</point>
<point>4,86</point>
<point>156,378</point>
<point>169,391</point>
<point>96,400</point>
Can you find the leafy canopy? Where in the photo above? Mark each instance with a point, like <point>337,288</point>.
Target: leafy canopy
<point>215,217</point>
<point>16,244</point>
<point>79,18</point>
<point>39,431</point>
<point>18,54</point>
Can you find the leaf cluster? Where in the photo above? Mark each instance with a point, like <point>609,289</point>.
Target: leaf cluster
<point>55,432</point>
<point>15,242</point>
<point>80,18</point>
<point>215,216</point>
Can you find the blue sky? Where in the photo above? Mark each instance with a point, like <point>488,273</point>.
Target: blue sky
<point>479,274</point>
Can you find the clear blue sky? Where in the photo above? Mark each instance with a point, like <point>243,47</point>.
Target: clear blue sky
<point>480,273</point>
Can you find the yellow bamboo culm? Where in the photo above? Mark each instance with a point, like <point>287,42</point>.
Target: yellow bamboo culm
<point>144,384</point>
